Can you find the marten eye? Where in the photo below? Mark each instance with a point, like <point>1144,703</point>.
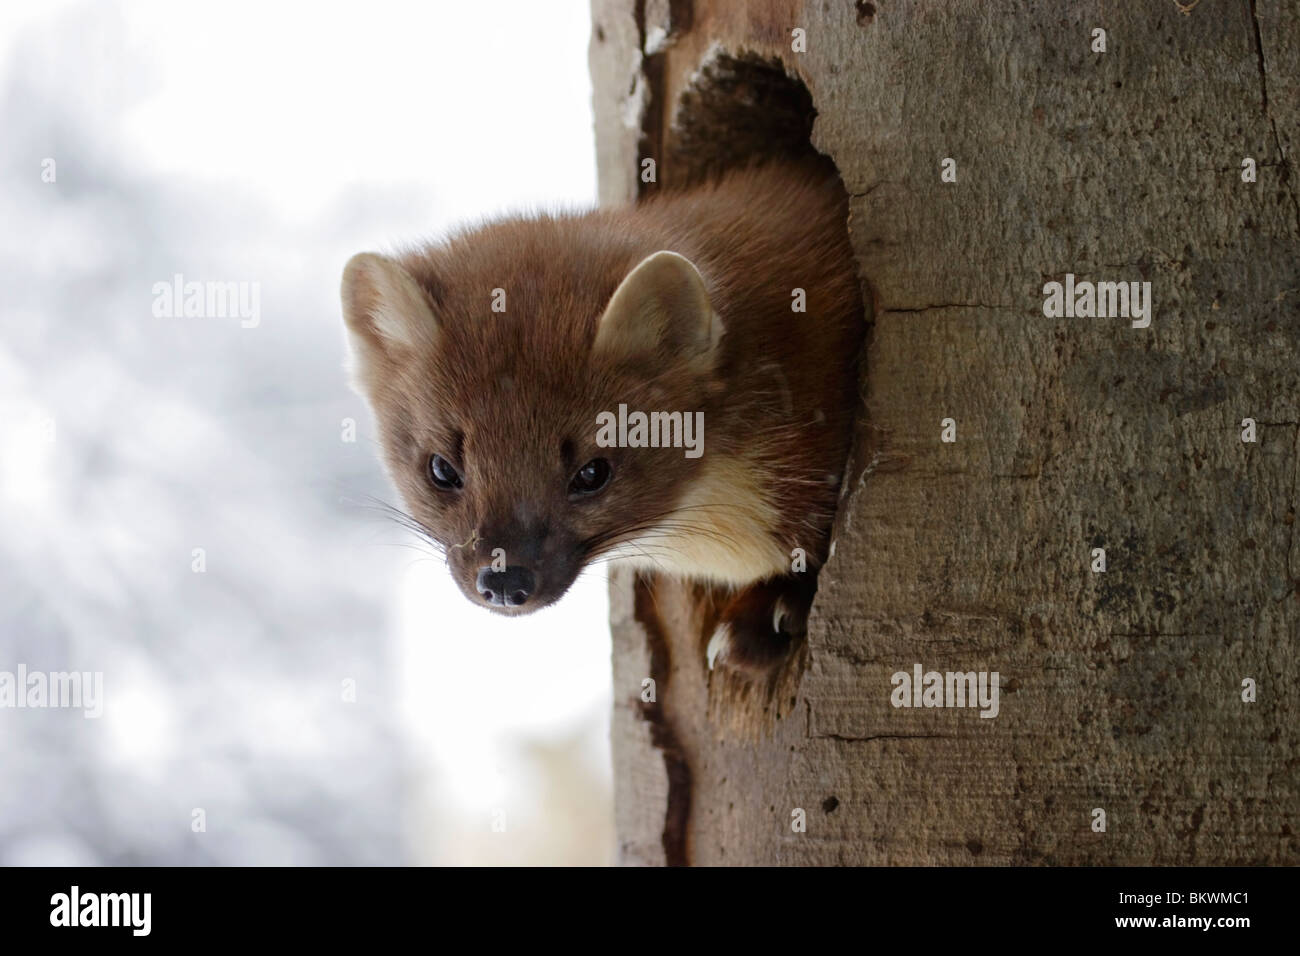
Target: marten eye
<point>444,475</point>
<point>591,477</point>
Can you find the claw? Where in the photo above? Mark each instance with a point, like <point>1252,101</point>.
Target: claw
<point>718,643</point>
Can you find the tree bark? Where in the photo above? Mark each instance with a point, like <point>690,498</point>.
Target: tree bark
<point>1121,690</point>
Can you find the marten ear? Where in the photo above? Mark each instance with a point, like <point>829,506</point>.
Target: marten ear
<point>660,309</point>
<point>385,310</point>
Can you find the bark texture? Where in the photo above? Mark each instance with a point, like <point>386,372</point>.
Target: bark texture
<point>1120,690</point>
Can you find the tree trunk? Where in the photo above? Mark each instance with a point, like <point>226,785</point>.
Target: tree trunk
<point>1124,690</point>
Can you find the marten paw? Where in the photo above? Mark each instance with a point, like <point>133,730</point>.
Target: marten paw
<point>761,625</point>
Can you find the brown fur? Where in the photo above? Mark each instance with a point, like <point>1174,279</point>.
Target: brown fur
<point>511,399</point>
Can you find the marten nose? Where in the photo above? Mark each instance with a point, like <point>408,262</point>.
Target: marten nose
<point>511,587</point>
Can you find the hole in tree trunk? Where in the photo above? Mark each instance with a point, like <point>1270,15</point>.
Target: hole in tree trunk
<point>738,110</point>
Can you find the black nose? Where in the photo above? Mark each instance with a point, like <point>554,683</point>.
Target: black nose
<point>511,587</point>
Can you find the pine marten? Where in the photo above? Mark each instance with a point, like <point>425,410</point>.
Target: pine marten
<point>539,383</point>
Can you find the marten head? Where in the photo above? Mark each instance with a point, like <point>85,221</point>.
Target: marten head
<point>489,362</point>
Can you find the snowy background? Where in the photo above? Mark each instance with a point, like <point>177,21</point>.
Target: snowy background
<point>265,143</point>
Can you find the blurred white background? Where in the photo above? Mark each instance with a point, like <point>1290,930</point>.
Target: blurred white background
<point>265,143</point>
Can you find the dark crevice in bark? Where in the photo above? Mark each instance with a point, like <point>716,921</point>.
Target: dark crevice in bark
<point>1263,95</point>
<point>1295,473</point>
<point>847,738</point>
<point>1259,55</point>
<point>678,810</point>
<point>1285,166</point>
<point>950,305</point>
<point>651,144</point>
